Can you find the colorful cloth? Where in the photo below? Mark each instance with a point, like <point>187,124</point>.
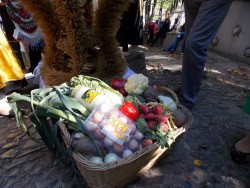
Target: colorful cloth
<point>26,27</point>
<point>10,69</point>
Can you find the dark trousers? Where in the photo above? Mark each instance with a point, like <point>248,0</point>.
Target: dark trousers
<point>173,46</point>
<point>203,19</point>
<point>35,56</point>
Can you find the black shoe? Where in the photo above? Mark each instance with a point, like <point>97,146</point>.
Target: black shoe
<point>239,157</point>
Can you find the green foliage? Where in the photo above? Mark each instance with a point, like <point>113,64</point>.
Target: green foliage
<point>135,99</point>
<point>156,134</point>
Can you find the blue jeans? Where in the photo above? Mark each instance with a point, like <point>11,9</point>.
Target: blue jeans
<point>202,20</point>
<point>175,43</point>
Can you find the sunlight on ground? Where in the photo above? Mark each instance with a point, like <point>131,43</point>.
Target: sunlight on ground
<point>232,83</point>
<point>157,57</point>
<point>214,71</point>
<point>144,47</point>
<point>152,174</point>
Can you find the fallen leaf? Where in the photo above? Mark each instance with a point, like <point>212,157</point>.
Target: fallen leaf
<point>197,162</point>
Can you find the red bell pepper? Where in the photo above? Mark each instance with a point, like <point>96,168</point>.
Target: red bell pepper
<point>129,110</point>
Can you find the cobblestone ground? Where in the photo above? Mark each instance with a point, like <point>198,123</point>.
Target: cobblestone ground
<point>218,123</point>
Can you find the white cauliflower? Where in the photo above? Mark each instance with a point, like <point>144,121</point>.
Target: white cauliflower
<point>136,84</point>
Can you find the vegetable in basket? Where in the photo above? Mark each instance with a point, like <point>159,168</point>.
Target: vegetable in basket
<point>129,110</point>
<point>167,101</point>
<point>82,144</point>
<point>180,117</point>
<point>136,84</point>
<point>150,94</point>
<point>118,84</point>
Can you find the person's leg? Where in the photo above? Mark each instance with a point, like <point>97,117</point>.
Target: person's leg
<point>158,35</point>
<point>169,48</point>
<point>172,47</point>
<point>35,56</point>
<point>17,50</point>
<point>178,37</point>
<point>201,29</point>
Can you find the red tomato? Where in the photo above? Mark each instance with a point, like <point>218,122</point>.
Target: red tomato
<point>129,110</point>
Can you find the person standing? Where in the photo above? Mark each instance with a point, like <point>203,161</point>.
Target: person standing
<point>8,28</point>
<point>165,27</point>
<point>151,30</point>
<point>26,30</point>
<point>202,21</point>
<point>12,77</point>
<point>131,27</point>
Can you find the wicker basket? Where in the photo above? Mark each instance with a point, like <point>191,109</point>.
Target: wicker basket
<point>122,172</point>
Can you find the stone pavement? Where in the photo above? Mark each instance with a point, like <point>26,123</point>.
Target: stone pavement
<point>218,123</point>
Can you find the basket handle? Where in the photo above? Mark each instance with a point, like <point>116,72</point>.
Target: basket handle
<point>165,89</point>
<point>64,132</point>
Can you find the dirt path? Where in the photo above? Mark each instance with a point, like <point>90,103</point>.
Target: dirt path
<point>218,123</point>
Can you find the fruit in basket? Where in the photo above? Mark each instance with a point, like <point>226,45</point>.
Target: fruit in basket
<point>146,142</point>
<point>111,158</point>
<point>180,117</point>
<point>98,134</point>
<point>96,160</point>
<point>118,148</point>
<point>132,127</point>
<point>104,108</point>
<point>113,113</point>
<point>138,135</point>
<point>127,152</point>
<point>97,117</point>
<point>123,119</point>
<point>91,127</point>
<point>133,145</point>
<point>108,142</point>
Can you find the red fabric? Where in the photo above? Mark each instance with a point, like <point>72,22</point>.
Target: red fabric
<point>152,26</point>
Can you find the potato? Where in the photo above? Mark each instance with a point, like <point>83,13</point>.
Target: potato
<point>180,117</point>
<point>85,146</point>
